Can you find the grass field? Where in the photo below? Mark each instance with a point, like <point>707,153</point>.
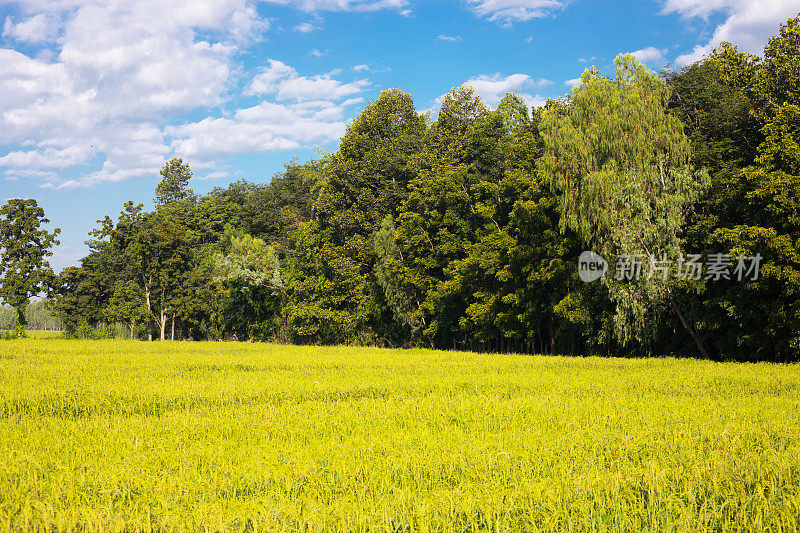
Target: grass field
<point>120,435</point>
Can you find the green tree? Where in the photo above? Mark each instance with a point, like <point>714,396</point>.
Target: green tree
<point>458,196</point>
<point>621,166</point>
<point>761,319</point>
<point>156,250</point>
<point>24,245</point>
<point>515,113</point>
<point>337,298</point>
<point>127,305</point>
<point>174,184</point>
<point>251,272</point>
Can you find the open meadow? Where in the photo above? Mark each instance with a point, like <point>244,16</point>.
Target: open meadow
<point>131,435</point>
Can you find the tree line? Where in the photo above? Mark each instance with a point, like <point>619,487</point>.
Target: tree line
<point>37,317</point>
<point>464,231</point>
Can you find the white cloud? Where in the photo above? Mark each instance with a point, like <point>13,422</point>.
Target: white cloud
<point>649,55</point>
<point>305,27</point>
<point>266,126</point>
<point>492,88</point>
<point>36,29</point>
<point>515,10</point>
<point>749,24</point>
<point>343,5</point>
<point>574,82</point>
<point>285,83</point>
<point>109,93</point>
<point>105,92</point>
<point>361,68</point>
<point>315,113</point>
<point>448,38</point>
<point>533,100</point>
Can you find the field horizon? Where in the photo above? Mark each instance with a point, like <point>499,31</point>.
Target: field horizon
<point>124,435</point>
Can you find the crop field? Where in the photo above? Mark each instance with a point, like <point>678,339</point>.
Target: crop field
<point>125,435</point>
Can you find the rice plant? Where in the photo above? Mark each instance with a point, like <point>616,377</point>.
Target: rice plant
<point>118,435</point>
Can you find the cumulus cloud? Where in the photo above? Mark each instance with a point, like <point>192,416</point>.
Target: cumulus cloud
<point>748,24</point>
<point>492,88</point>
<point>574,82</point>
<point>109,85</point>
<point>39,28</point>
<point>650,54</point>
<point>285,83</point>
<point>108,95</point>
<point>508,11</point>
<point>266,126</point>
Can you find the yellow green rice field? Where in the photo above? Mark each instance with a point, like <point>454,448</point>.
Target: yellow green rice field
<point>115,435</point>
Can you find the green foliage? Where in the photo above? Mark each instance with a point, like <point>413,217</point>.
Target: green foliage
<point>338,297</point>
<point>621,166</point>
<point>173,187</point>
<point>24,246</point>
<point>38,316</point>
<point>516,115</point>
<point>127,305</point>
<point>251,275</point>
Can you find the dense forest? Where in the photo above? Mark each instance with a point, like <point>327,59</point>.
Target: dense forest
<point>463,231</point>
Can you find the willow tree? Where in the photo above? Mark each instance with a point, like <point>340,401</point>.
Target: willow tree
<point>621,167</point>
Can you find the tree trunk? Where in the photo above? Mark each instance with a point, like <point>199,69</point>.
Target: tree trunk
<point>552,331</point>
<point>149,306</point>
<point>162,323</point>
<point>173,326</point>
<point>688,327</point>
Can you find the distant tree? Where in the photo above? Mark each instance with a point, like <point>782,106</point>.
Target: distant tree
<point>514,111</point>
<point>621,166</point>
<point>156,249</point>
<point>174,184</point>
<point>24,245</point>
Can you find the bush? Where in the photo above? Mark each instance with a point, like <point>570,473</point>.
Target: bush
<point>84,331</point>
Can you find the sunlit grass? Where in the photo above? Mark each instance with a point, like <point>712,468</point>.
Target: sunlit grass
<point>128,435</point>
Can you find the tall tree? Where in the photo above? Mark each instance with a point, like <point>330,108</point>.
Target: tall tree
<point>24,245</point>
<point>621,165</point>
<point>363,182</point>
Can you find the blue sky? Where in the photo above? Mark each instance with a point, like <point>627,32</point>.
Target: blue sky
<point>96,95</point>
